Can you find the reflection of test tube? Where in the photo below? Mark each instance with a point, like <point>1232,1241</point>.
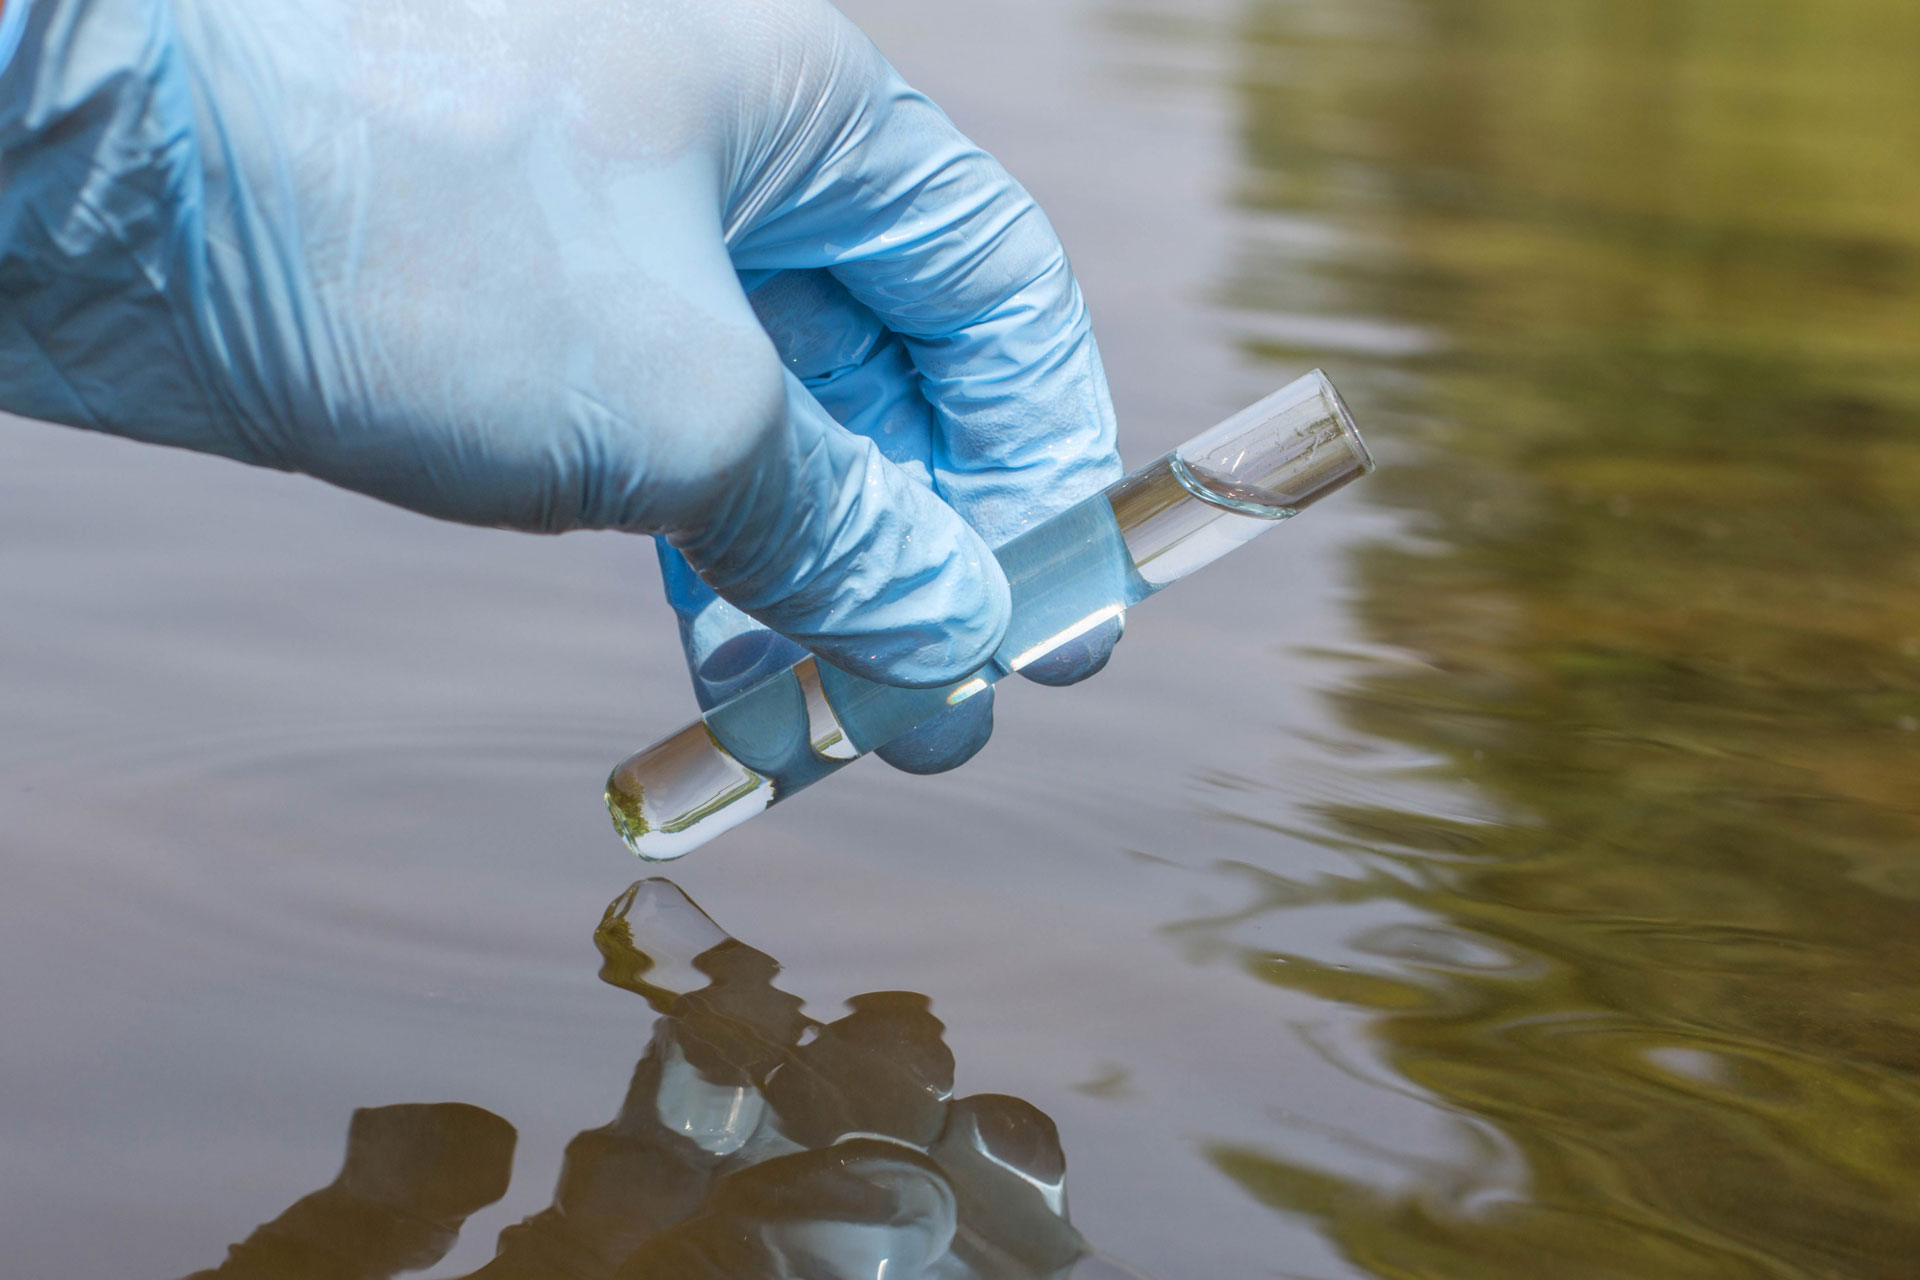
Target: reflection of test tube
<point>1072,574</point>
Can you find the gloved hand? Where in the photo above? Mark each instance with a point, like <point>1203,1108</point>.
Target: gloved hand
<point>518,265</point>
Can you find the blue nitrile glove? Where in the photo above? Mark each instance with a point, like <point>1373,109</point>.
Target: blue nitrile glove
<point>865,375</point>
<point>489,262</point>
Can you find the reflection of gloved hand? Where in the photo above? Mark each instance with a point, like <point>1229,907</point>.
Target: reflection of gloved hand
<point>1002,1156</point>
<point>885,1068</point>
<point>413,1175</point>
<point>692,1105</point>
<point>738,1085</point>
<point>487,262</point>
<point>859,1209</point>
<point>986,1203</point>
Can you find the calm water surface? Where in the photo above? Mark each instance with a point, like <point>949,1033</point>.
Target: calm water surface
<point>1513,869</point>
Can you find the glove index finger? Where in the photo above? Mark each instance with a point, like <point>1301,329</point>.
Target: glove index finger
<point>933,235</point>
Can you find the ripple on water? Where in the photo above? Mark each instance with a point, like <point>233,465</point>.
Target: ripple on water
<point>322,853</point>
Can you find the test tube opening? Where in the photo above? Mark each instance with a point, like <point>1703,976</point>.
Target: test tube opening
<point>1278,456</point>
<point>1347,426</point>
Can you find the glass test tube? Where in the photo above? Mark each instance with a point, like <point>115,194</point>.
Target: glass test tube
<point>1069,575</point>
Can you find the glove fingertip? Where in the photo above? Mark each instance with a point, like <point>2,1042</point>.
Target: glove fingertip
<point>1077,659</point>
<point>945,742</point>
<point>728,653</point>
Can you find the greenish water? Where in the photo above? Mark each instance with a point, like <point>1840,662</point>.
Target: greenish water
<point>1652,272</point>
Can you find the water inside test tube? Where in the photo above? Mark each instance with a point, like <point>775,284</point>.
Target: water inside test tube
<point>1177,517</point>
<point>1069,575</point>
<point>679,793</point>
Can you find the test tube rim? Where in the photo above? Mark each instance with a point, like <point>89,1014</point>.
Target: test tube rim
<point>1344,417</point>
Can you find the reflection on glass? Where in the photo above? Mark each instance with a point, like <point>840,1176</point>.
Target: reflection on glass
<point>1652,890</point>
<point>753,1143</point>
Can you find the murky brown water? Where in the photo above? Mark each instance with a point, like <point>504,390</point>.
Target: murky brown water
<point>1510,870</point>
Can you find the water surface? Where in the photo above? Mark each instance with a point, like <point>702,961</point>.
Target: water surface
<point>1657,612</point>
<point>1512,868</point>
